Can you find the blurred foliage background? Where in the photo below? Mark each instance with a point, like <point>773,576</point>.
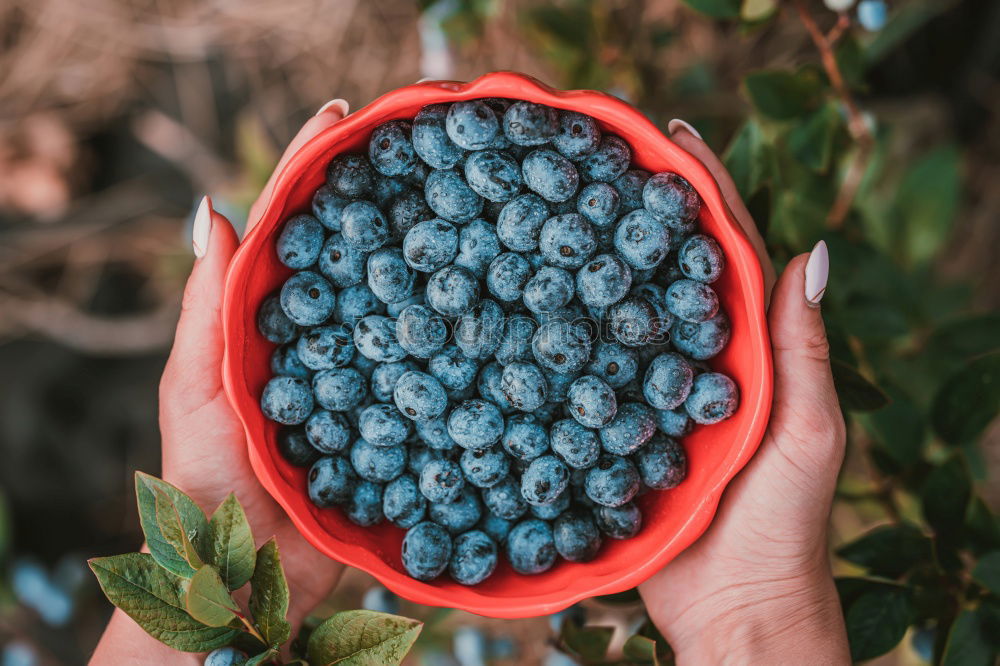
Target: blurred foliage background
<point>879,134</point>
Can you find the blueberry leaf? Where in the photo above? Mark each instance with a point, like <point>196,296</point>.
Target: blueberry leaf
<point>154,598</point>
<point>877,621</point>
<point>168,518</point>
<point>784,95</point>
<point>926,202</point>
<point>968,401</point>
<point>269,595</point>
<point>230,546</point>
<point>192,520</point>
<point>967,644</point>
<point>748,159</point>
<point>811,142</point>
<point>360,637</point>
<point>855,392</point>
<point>263,658</point>
<point>889,550</point>
<point>588,643</point>
<point>208,600</point>
<point>987,572</point>
<point>641,649</point>
<point>945,495</point>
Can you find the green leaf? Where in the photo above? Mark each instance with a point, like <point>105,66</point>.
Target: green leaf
<point>967,645</point>
<point>154,598</point>
<point>720,9</point>
<point>168,518</point>
<point>966,337</point>
<point>877,621</point>
<point>811,142</point>
<point>362,638</point>
<point>230,546</point>
<point>641,649</point>
<point>208,599</point>
<point>945,497</point>
<point>262,658</point>
<point>856,392</point>
<point>890,550</point>
<point>968,401</point>
<point>589,643</point>
<point>983,527</point>
<point>784,95</point>
<point>629,596</point>
<point>927,202</point>
<point>269,595</point>
<point>850,589</point>
<point>747,159</point>
<point>899,427</point>
<point>753,11</point>
<point>192,519</point>
<point>987,572</point>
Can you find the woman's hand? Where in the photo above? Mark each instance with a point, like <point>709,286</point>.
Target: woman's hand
<point>757,587</point>
<point>204,448</point>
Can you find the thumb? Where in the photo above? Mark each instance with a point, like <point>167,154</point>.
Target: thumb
<point>193,375</point>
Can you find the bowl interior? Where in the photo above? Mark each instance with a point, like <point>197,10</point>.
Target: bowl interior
<point>672,519</point>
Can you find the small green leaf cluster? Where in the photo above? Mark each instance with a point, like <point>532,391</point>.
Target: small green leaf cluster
<point>181,592</point>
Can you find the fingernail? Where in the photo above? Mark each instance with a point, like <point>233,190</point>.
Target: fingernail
<point>817,272</point>
<point>339,104</point>
<point>202,228</point>
<point>677,124</point>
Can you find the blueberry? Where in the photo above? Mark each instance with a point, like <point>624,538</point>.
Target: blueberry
<point>402,502</point>
<point>363,226</point>
<point>633,426</point>
<point>307,298</point>
<point>452,368</point>
<point>426,550</point>
<point>520,222</point>
<point>478,246</point>
<point>273,323</point>
<point>524,438</point>
<point>484,467</point>
<point>430,138</point>
<point>382,425</point>
<point>668,381</point>
<point>390,148</point>
<point>300,242</point>
<point>364,507</point>
<point>430,245</point>
<point>418,455</point>
<point>548,290</point>
<point>339,389</point>
<point>524,385</point>
<point>327,206</point>
<point>480,330</point>
<point>287,400</point>
<point>495,527</point>
<point>578,135</point>
<point>607,163</point>
<point>473,559</point>
<point>674,422</point>
<point>662,463</point>
<point>452,291</point>
<point>527,124</point>
<point>421,331</point>
<point>567,241</point>
<point>591,402</point>
<point>642,241</point>
<point>714,397</point>
<point>488,385</point>
<point>553,509</point>
<point>599,204</point>
<point>331,481</point>
<point>326,347</point>
<point>692,301</point>
<point>550,175</point>
<point>872,14</point>
<point>457,516</point>
<point>405,211</point>
<point>285,361</point>
<point>507,275</point>
<point>634,322</point>
<point>544,479</point>
<point>561,346</point>
<point>294,447</point>
<point>656,296</point>
<point>384,378</point>
<point>494,175</point>
<point>630,185</point>
<point>441,481</point>
<point>329,432</point>
<point>613,481</point>
<point>225,656</point>
<point>364,366</point>
<point>450,197</point>
<point>475,424</point>
<point>703,340</point>
<point>434,432</point>
<point>576,537</point>
<point>419,396</point>
<point>341,263</point>
<point>515,344</point>
<point>575,444</point>
<point>671,199</point>
<point>669,271</point>
<point>355,302</point>
<point>351,176</point>
<point>530,547</point>
<point>603,281</point>
<point>700,258</point>
<point>471,125</point>
<point>505,500</point>
<point>381,600</point>
<point>386,190</point>
<point>619,522</point>
<point>375,338</point>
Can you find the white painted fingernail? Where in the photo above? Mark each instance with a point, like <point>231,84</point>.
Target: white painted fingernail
<point>202,228</point>
<point>339,104</point>
<point>817,273</point>
<point>677,124</point>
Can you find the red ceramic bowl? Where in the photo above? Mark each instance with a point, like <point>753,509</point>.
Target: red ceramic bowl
<point>672,519</point>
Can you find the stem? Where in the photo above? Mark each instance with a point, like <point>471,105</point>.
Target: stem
<point>251,629</point>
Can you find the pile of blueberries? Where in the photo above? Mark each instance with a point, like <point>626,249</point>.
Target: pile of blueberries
<point>494,335</point>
